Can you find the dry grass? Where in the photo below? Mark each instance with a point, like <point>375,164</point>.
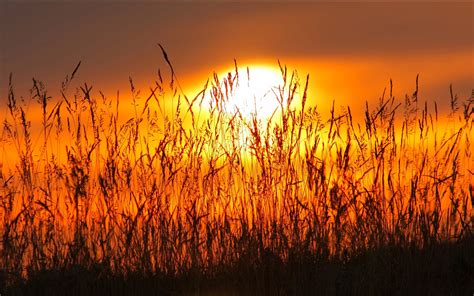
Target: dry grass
<point>174,200</point>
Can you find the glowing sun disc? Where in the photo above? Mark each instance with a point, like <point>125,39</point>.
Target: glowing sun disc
<point>255,93</point>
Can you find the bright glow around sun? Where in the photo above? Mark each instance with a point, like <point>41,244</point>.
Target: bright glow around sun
<point>254,92</point>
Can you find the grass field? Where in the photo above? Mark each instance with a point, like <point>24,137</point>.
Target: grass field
<point>183,197</point>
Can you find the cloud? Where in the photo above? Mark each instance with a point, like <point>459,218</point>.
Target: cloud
<point>116,40</point>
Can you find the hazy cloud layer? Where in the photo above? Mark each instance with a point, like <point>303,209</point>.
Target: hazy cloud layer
<point>114,40</point>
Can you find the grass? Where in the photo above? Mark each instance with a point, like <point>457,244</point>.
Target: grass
<point>183,198</point>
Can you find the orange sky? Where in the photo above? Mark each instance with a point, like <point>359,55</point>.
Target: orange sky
<point>350,50</point>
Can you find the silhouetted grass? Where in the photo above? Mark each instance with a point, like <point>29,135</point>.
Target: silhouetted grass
<point>186,198</point>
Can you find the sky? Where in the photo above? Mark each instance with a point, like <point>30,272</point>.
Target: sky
<point>351,50</point>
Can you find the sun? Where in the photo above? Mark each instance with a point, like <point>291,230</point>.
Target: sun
<point>254,92</point>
